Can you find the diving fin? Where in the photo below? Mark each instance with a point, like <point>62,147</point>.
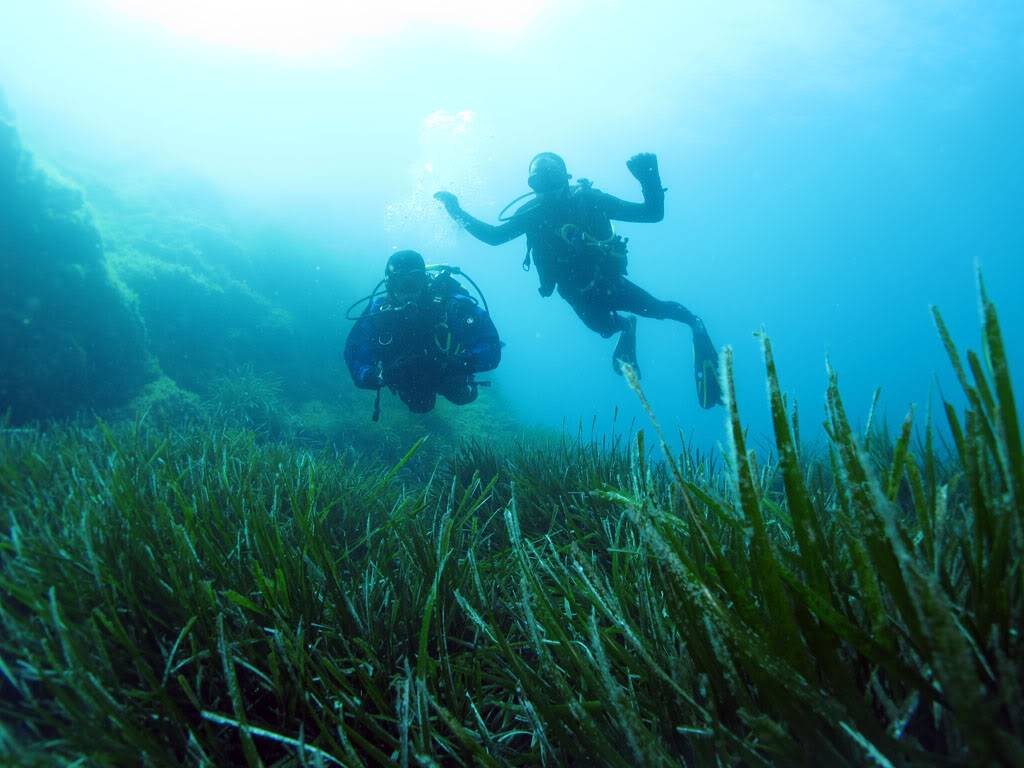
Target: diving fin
<point>625,349</point>
<point>705,368</point>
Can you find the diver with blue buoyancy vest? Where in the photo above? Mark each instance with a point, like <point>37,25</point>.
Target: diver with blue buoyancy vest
<point>422,335</point>
<point>570,238</point>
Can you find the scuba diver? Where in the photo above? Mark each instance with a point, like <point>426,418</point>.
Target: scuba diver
<point>569,236</point>
<point>422,335</point>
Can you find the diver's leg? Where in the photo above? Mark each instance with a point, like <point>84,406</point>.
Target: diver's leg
<point>599,315</point>
<point>459,389</point>
<point>418,400</point>
<point>625,348</point>
<point>630,297</point>
<point>596,314</point>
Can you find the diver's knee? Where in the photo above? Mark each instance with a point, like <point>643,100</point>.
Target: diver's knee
<point>676,311</point>
<point>462,392</point>
<point>419,402</point>
<point>603,327</point>
<point>609,325</point>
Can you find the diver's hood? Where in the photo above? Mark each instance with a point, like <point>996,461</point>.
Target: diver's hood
<point>548,173</point>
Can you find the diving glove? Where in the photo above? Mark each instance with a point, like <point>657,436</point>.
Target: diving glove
<point>449,201</point>
<point>644,168</point>
<point>372,377</point>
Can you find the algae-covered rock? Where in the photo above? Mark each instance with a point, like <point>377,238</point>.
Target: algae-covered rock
<point>138,291</point>
<point>216,293</point>
<point>200,321</point>
<point>248,399</point>
<point>163,403</point>
<point>69,340</point>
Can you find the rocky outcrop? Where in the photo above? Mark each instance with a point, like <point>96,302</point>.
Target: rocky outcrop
<point>70,340</point>
<point>132,292</point>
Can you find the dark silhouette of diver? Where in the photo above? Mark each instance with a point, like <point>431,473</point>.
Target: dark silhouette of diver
<point>569,236</point>
<point>422,336</point>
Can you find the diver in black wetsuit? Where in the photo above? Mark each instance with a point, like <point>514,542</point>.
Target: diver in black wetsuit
<point>423,336</point>
<point>569,236</point>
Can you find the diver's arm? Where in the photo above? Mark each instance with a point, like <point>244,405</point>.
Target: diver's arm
<point>651,210</point>
<point>644,168</point>
<point>485,346</point>
<point>475,335</point>
<point>488,233</point>
<point>482,231</point>
<point>360,353</point>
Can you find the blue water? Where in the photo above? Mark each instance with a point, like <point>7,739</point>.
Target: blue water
<point>833,169</point>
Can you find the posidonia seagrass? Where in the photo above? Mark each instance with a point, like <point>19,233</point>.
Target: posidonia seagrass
<point>205,598</point>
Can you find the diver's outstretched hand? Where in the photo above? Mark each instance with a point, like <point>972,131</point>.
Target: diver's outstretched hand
<point>644,167</point>
<point>448,200</point>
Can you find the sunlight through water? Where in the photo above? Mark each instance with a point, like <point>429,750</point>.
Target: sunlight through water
<point>303,28</point>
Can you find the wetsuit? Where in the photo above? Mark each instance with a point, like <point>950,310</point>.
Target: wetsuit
<point>424,348</point>
<point>572,261</point>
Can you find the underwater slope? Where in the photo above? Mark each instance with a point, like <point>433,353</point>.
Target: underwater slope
<point>68,338</point>
<point>133,293</point>
<point>108,292</point>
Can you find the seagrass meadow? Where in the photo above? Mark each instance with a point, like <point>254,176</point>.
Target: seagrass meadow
<point>212,597</point>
